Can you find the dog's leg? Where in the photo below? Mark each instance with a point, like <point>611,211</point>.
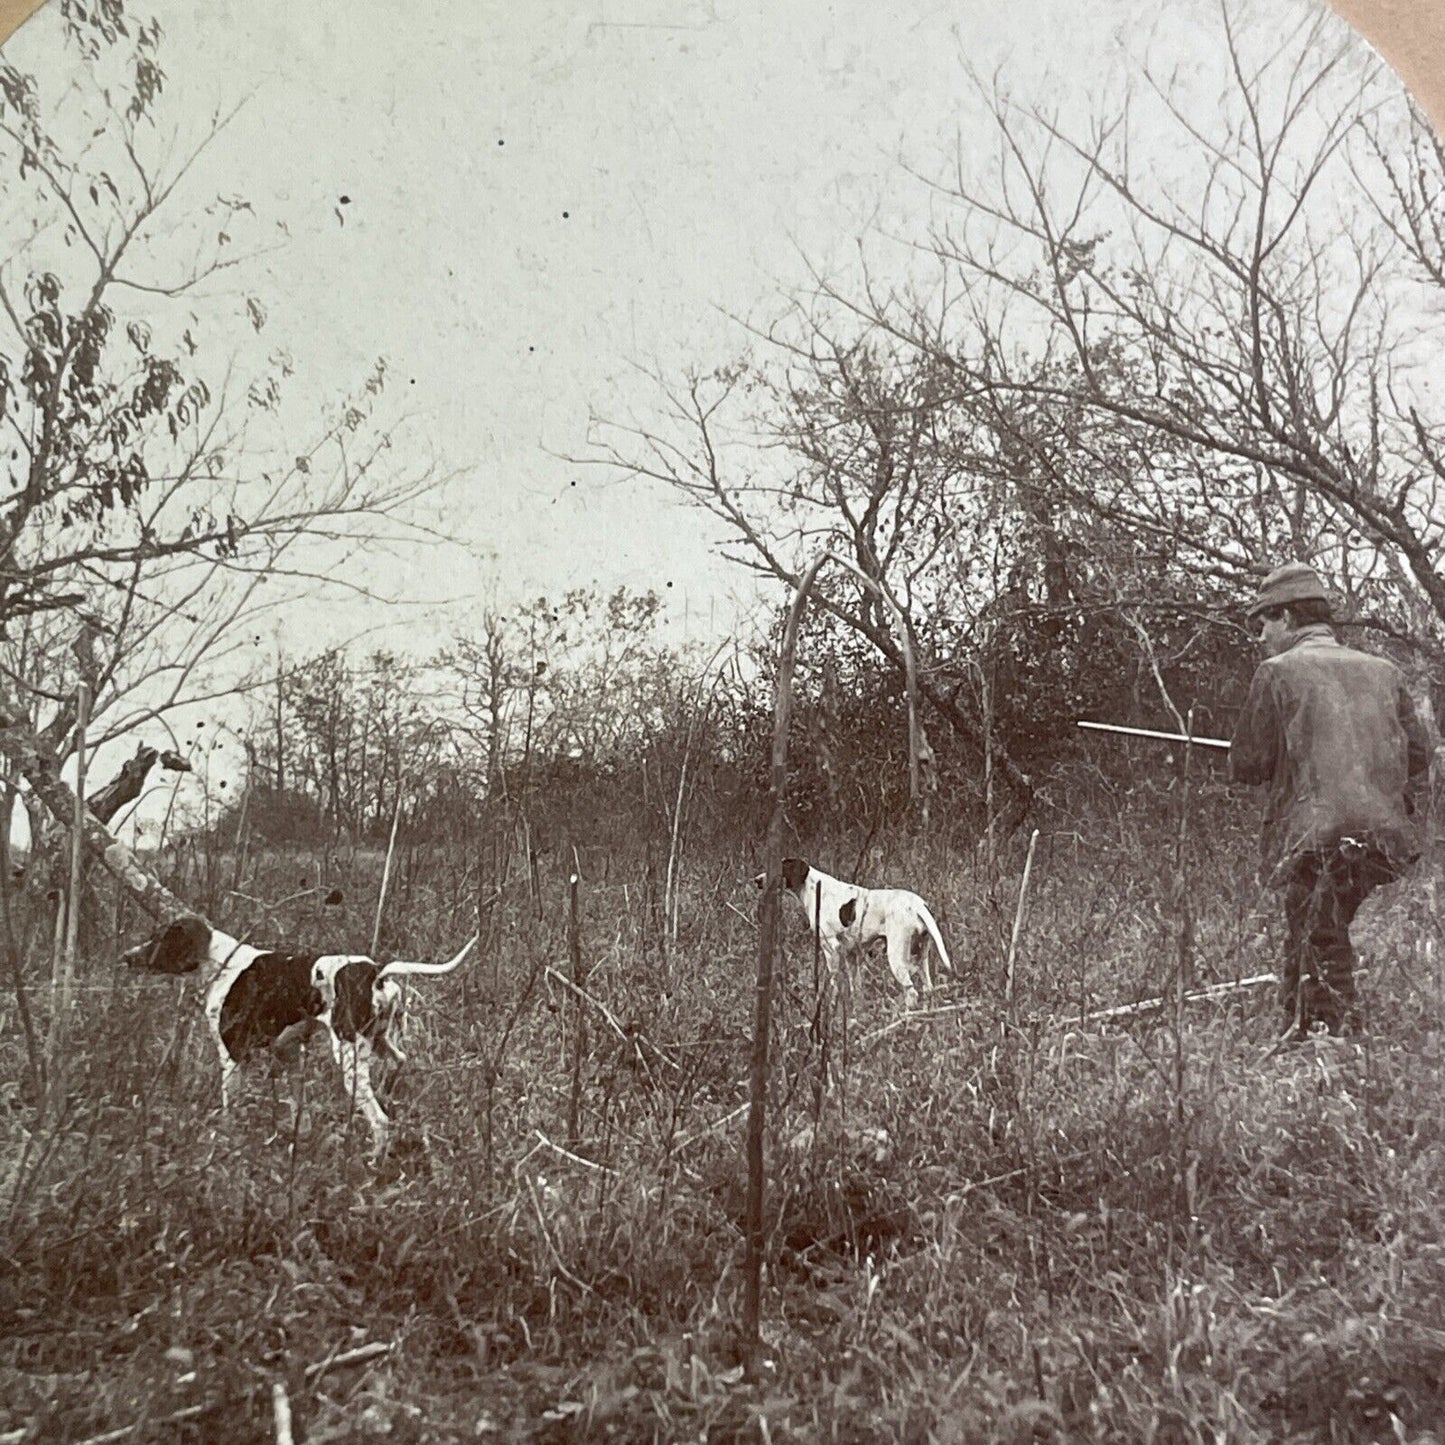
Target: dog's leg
<point>230,1082</point>
<point>834,956</point>
<point>230,1070</point>
<point>919,945</point>
<point>898,948</point>
<point>388,1002</point>
<point>354,1060</point>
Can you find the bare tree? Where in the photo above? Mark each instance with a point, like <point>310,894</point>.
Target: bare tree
<point>1231,278</point>
<point>856,446</point>
<point>1161,349</point>
<point>158,504</point>
<point>581,677</point>
<point>481,666</point>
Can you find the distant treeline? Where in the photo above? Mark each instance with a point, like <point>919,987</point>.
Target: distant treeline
<point>579,712</point>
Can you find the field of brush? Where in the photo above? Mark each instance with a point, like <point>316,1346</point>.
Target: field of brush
<point>987,1222</point>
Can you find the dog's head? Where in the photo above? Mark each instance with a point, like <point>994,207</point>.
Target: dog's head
<point>177,947</point>
<point>795,874</point>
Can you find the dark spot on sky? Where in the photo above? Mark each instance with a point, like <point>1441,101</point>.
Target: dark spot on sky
<point>346,200</point>
<point>501,142</point>
<point>565,214</point>
<point>669,584</point>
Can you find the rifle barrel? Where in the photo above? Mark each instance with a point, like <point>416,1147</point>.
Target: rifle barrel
<point>1150,733</point>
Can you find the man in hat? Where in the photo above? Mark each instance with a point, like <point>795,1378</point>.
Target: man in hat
<point>1334,735</point>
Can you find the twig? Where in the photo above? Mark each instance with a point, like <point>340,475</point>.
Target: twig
<point>1187,738</point>
<point>386,868</point>
<point>1014,1173</point>
<point>281,1412</point>
<point>1199,995</point>
<point>1013,947</point>
<point>710,1128</point>
<point>546,1235</point>
<point>348,1357</point>
<point>767,950</point>
<point>916,1016</point>
<point>269,904</point>
<point>611,1019</point>
<point>191,1412</point>
<point>1291,1031</point>
<point>579,973</point>
<point>587,998</point>
<point>575,1158</point>
<point>67,923</point>
<point>746,918</point>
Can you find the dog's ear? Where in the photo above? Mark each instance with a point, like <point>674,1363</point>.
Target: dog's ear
<point>795,873</point>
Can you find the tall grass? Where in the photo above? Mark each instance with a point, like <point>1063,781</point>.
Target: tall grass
<point>980,1227</point>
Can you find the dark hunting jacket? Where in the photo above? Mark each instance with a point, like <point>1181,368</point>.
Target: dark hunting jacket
<point>1335,735</point>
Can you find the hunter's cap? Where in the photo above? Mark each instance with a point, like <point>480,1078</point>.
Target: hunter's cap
<point>1294,582</point>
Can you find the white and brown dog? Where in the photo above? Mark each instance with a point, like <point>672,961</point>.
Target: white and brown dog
<point>849,917</point>
<point>261,999</point>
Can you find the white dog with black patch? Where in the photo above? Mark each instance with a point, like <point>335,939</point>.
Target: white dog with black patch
<point>262,999</point>
<point>848,916</point>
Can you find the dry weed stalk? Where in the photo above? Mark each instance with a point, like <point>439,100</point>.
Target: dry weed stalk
<point>919,756</point>
<point>768,918</point>
<point>386,870</point>
<point>63,978</point>
<point>579,1019</point>
<point>359,1356</point>
<point>34,1053</point>
<point>281,1413</point>
<point>697,716</point>
<point>1184,1202</point>
<point>1008,988</point>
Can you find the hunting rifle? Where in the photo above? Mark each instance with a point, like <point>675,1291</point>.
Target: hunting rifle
<point>1150,733</point>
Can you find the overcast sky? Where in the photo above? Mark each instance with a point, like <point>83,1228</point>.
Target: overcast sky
<point>542,197</point>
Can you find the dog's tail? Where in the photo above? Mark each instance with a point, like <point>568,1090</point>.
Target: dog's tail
<point>398,968</point>
<point>936,936</point>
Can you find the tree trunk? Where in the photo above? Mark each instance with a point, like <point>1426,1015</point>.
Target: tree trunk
<point>20,745</point>
<point>126,786</point>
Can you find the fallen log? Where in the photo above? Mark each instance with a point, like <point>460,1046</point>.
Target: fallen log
<point>19,743</point>
<point>1148,1005</point>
